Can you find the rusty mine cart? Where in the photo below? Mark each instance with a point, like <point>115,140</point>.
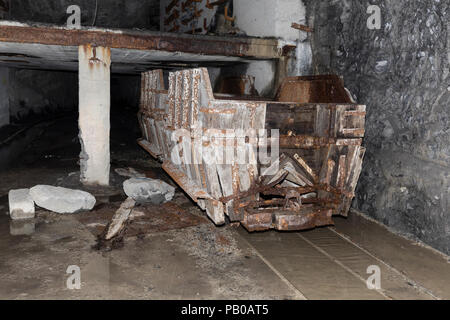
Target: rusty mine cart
<point>317,148</point>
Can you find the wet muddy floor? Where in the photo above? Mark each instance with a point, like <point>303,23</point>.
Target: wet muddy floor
<point>173,251</point>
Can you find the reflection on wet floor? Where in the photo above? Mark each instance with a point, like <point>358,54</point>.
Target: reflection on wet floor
<point>21,227</point>
<point>315,264</point>
<point>173,251</point>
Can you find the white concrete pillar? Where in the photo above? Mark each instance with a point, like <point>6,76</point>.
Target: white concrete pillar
<point>4,96</point>
<point>94,113</point>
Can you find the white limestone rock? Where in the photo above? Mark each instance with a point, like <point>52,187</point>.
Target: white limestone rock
<point>21,205</point>
<point>62,200</point>
<point>148,190</point>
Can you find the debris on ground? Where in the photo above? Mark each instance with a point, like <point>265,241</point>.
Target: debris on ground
<point>129,172</point>
<point>215,248</point>
<point>146,190</point>
<point>62,200</point>
<point>21,205</point>
<point>144,219</point>
<point>112,236</point>
<point>120,217</point>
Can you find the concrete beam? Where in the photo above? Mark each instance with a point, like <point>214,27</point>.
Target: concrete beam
<point>242,47</point>
<point>94,113</point>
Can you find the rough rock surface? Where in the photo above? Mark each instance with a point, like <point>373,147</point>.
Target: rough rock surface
<point>148,190</point>
<point>21,205</point>
<point>62,200</point>
<point>112,13</point>
<point>401,72</point>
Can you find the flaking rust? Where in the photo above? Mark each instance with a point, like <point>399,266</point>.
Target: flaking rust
<point>312,178</point>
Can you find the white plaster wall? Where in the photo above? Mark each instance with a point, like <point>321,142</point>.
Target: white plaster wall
<point>264,73</point>
<point>4,96</point>
<point>269,18</point>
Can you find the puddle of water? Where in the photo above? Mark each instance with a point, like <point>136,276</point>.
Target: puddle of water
<point>14,231</point>
<point>22,227</point>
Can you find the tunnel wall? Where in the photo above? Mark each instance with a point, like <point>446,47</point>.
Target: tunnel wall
<point>401,73</point>
<point>4,97</point>
<point>37,92</point>
<point>110,13</point>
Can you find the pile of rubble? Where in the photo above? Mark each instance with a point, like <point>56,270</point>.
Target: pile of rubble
<point>138,188</point>
<point>56,199</point>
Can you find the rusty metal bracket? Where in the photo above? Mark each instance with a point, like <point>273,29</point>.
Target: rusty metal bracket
<point>175,15</point>
<point>227,17</point>
<point>197,13</point>
<point>171,5</point>
<point>301,27</point>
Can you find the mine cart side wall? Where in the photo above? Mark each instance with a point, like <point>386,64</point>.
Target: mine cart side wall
<point>314,89</point>
<point>188,129</point>
<point>327,138</point>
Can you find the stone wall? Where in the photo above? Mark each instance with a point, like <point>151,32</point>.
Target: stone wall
<point>401,72</point>
<point>36,92</point>
<point>100,13</point>
<point>4,96</point>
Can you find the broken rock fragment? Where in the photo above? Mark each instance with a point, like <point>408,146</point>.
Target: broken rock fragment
<point>120,218</point>
<point>129,172</point>
<point>62,200</point>
<point>21,205</point>
<point>148,190</point>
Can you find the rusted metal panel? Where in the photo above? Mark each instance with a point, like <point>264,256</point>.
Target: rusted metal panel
<point>238,85</point>
<point>313,89</point>
<point>313,176</point>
